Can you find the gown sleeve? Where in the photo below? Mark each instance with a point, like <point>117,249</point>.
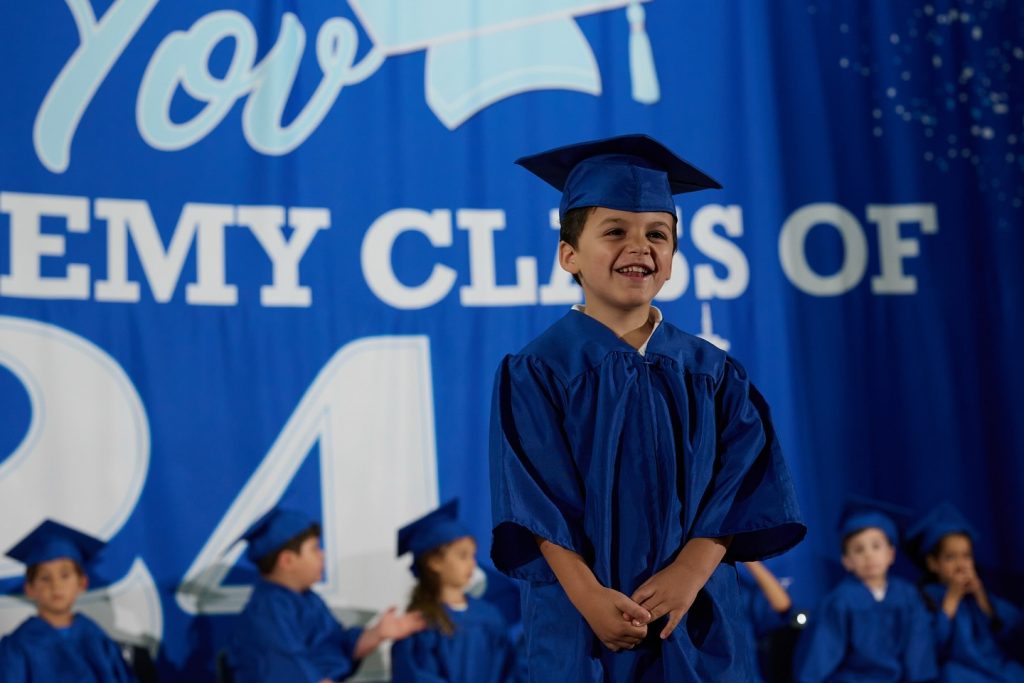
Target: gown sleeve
<point>820,649</point>
<point>919,659</point>
<point>536,489</point>
<point>751,496</point>
<point>414,660</point>
<point>13,666</point>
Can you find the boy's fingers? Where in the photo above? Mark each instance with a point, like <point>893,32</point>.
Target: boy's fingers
<point>635,611</point>
<point>673,621</point>
<point>644,592</point>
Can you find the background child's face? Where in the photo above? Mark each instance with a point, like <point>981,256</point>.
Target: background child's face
<point>455,566</point>
<point>868,554</point>
<point>622,258</point>
<point>56,586</point>
<point>307,565</point>
<point>953,559</point>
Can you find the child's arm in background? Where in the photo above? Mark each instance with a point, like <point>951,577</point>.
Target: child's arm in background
<point>672,590</point>
<point>773,591</point>
<point>617,621</point>
<point>390,626</point>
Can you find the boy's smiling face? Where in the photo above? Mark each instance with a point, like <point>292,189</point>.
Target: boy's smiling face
<point>622,258</point>
<point>55,588</point>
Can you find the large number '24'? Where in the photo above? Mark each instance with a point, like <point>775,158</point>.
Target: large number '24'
<point>370,409</point>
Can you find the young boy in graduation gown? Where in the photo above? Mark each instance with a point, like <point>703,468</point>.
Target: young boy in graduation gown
<point>631,463</point>
<point>872,627</point>
<point>467,640</point>
<point>286,633</point>
<point>975,631</point>
<point>58,645</point>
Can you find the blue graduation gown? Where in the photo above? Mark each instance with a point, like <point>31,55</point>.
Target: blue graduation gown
<point>971,646</point>
<point>623,458</point>
<point>478,651</point>
<point>852,637</point>
<point>288,637</point>
<point>36,652</point>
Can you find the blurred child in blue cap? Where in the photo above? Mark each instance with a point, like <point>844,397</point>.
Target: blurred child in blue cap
<point>873,626</point>
<point>631,463</point>
<point>58,645</point>
<point>286,633</point>
<point>973,629</point>
<point>467,640</point>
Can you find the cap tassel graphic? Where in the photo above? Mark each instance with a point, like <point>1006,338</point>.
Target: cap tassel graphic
<point>641,59</point>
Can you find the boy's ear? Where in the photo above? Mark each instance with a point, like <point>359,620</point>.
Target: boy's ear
<point>567,258</point>
<point>847,564</point>
<point>83,582</point>
<point>932,564</point>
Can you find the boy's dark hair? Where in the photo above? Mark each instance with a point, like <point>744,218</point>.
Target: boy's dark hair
<point>426,596</point>
<point>32,571</point>
<point>571,227</point>
<point>267,563</point>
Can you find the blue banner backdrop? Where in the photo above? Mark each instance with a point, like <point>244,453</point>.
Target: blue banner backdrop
<point>272,251</point>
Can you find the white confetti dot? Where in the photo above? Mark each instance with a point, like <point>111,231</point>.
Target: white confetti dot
<point>952,139</point>
<point>894,39</point>
<point>865,71</point>
<point>929,10</point>
<point>1018,53</point>
<point>976,33</point>
<point>1012,139</point>
<point>907,116</point>
<point>987,133</point>
<point>962,97</point>
<point>1010,157</point>
<point>953,15</point>
<point>899,109</point>
<point>952,153</point>
<point>1016,202</point>
<point>966,73</point>
<point>891,92</point>
<point>936,61</point>
<point>844,28</point>
<point>928,156</point>
<point>905,75</point>
<point>929,132</point>
<point>965,152</point>
<point>877,113</point>
<point>975,130</point>
<point>844,62</point>
<point>1000,108</point>
<point>877,131</point>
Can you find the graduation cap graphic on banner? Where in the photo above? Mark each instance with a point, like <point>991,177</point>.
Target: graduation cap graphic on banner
<point>482,51</point>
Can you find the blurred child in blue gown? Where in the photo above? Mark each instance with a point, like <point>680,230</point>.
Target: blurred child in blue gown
<point>975,631</point>
<point>286,633</point>
<point>58,645</point>
<point>873,626</point>
<point>768,610</point>
<point>467,640</point>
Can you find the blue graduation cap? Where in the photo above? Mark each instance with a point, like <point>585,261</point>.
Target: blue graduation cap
<point>627,172</point>
<point>866,513</point>
<point>482,51</point>
<point>52,540</point>
<point>273,530</point>
<point>926,532</point>
<point>432,530</point>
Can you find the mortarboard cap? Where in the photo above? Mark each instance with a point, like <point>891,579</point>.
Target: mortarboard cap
<point>861,513</point>
<point>52,540</point>
<point>628,173</point>
<point>273,530</point>
<point>926,532</point>
<point>432,530</point>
